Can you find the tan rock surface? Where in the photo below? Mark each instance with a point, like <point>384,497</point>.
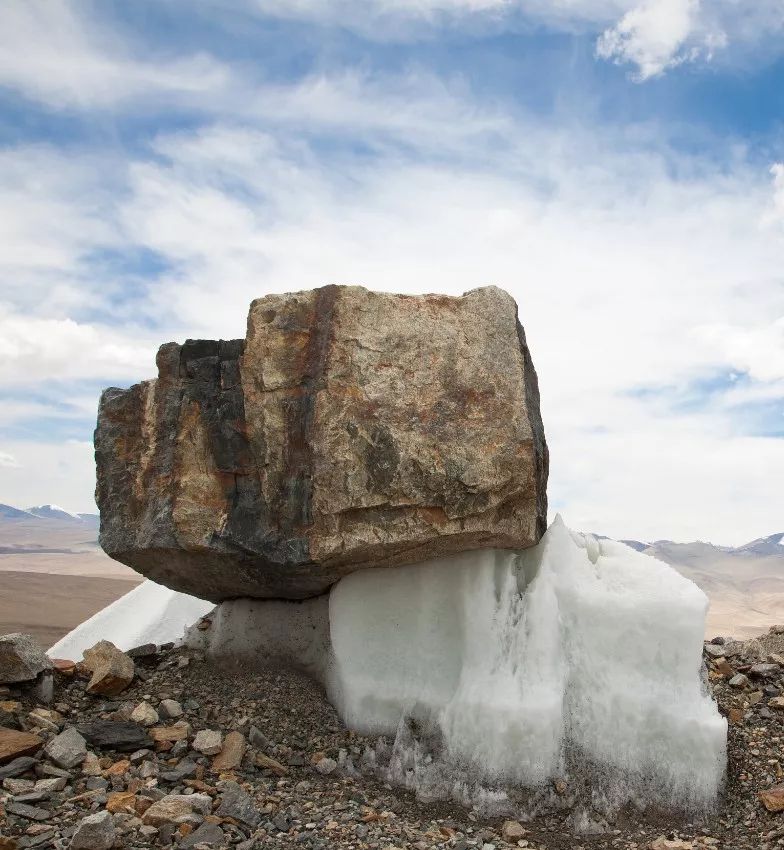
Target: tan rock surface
<point>112,670</point>
<point>14,744</point>
<point>351,429</point>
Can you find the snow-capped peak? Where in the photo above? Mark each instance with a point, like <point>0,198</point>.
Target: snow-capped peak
<point>54,512</point>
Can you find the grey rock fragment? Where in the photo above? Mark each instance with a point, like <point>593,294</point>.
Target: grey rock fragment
<point>67,749</point>
<point>17,767</point>
<point>21,658</point>
<point>209,834</point>
<point>237,803</point>
<point>120,735</point>
<point>95,832</point>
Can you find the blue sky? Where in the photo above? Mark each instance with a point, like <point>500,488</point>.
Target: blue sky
<point>614,164</point>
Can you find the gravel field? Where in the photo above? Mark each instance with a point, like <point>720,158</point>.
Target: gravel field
<point>189,755</point>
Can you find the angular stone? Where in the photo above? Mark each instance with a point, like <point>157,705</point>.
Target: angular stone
<point>43,718</point>
<point>208,741</point>
<point>95,832</point>
<point>177,732</point>
<point>209,834</point>
<point>512,831</point>
<point>22,810</point>
<point>52,784</point>
<point>18,786</point>
<point>350,429</point>
<point>773,798</point>
<point>67,749</point>
<point>145,714</point>
<point>112,670</point>
<point>238,804</point>
<point>725,668</point>
<point>764,670</point>
<point>123,736</point>
<point>176,808</point>
<point>326,766</point>
<point>169,709</point>
<point>714,650</point>
<point>265,762</point>
<point>146,650</point>
<point>17,767</point>
<point>121,801</point>
<point>21,658</point>
<point>230,756</point>
<point>14,744</point>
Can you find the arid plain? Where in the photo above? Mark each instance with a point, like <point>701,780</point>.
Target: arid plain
<point>54,575</point>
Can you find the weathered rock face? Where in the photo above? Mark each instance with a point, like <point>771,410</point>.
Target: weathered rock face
<point>21,658</point>
<point>351,429</point>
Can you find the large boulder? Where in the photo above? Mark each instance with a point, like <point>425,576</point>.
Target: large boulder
<point>350,429</point>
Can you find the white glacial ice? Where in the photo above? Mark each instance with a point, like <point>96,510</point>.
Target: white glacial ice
<point>578,654</point>
<point>150,613</point>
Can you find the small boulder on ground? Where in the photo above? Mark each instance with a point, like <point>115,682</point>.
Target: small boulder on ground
<point>169,709</point>
<point>236,803</point>
<point>230,756</point>
<point>112,670</point>
<point>773,798</point>
<point>14,744</point>
<point>176,808</point>
<point>95,832</point>
<point>208,741</point>
<point>21,658</point>
<point>145,714</point>
<point>67,749</point>
<point>123,736</point>
<point>208,834</point>
<point>512,831</point>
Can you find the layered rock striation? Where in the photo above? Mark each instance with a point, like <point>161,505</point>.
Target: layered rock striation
<point>350,429</point>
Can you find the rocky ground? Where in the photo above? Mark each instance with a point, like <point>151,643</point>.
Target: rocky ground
<point>165,750</point>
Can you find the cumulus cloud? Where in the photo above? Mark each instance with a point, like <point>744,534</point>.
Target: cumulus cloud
<point>652,36</point>
<point>47,349</point>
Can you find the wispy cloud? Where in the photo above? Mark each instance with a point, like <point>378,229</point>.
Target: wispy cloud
<point>54,53</point>
<point>635,262</point>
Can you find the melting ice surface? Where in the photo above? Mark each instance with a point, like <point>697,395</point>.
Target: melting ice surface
<point>576,653</point>
<point>150,613</point>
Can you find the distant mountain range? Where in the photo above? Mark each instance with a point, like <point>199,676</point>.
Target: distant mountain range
<point>772,545</point>
<point>50,512</point>
<point>745,584</point>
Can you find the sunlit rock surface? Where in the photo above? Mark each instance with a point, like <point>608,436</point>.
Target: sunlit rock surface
<point>349,429</point>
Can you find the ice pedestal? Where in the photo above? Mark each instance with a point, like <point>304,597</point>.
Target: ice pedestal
<point>576,655</point>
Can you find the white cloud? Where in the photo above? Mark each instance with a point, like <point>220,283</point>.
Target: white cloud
<point>757,349</point>
<point>34,349</point>
<point>620,252</point>
<point>652,36</point>
<point>61,473</point>
<point>52,53</point>
<point>8,461</point>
